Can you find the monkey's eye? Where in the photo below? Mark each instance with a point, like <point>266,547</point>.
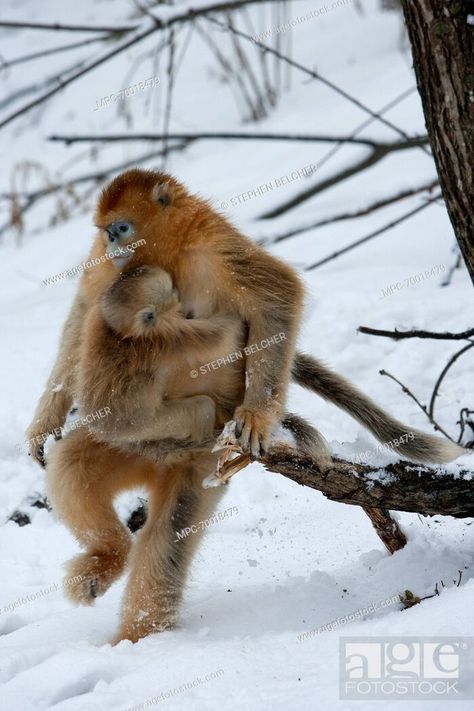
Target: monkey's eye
<point>148,316</point>
<point>124,228</point>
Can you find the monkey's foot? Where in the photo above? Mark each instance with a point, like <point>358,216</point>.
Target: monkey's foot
<point>90,576</point>
<point>140,628</point>
<point>254,426</point>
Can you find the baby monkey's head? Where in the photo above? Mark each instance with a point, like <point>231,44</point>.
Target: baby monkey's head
<point>135,304</point>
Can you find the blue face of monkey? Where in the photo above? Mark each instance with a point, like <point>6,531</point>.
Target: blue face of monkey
<point>119,247</point>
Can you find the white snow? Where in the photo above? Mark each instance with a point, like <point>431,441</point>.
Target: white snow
<point>291,562</point>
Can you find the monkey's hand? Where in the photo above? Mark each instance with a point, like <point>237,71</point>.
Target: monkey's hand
<point>253,429</point>
<point>37,435</point>
<point>45,422</point>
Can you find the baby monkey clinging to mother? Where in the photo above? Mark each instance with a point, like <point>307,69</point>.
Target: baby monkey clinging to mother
<point>138,353</point>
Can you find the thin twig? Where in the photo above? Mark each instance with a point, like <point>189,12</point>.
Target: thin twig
<point>345,173</point>
<point>169,93</point>
<point>456,262</point>
<point>244,68</point>
<point>234,135</point>
<point>43,84</point>
<point>377,154</point>
<point>155,26</point>
<point>435,335</point>
<point>59,27</point>
<point>378,205</point>
<point>463,421</point>
<point>63,83</point>
<point>53,50</point>
<point>314,75</point>
<point>370,236</point>
<point>415,399</point>
<point>227,67</point>
<point>271,93</point>
<point>394,102</point>
<point>32,198</point>
<point>442,375</point>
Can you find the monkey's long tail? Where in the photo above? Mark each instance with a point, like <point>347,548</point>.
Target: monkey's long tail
<point>413,444</point>
<point>308,439</point>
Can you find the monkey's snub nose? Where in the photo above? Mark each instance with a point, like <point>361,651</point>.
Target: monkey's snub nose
<point>119,229</point>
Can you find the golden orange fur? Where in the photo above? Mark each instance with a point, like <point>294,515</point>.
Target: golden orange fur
<point>218,273</point>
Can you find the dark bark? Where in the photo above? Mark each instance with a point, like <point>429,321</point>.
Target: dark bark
<point>442,44</point>
<point>387,529</point>
<point>402,486</point>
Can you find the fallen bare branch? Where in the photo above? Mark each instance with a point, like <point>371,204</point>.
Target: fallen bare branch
<point>402,486</point>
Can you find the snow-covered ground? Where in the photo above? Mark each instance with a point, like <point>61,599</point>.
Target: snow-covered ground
<point>289,561</point>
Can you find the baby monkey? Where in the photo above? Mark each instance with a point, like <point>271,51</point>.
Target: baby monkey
<point>137,356</point>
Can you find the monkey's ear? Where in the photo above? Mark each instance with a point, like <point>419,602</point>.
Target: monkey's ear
<point>162,193</point>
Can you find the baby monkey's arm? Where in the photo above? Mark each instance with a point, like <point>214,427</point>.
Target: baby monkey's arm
<point>187,418</point>
<point>142,415</point>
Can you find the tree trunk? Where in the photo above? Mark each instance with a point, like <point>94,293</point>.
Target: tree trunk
<point>442,43</point>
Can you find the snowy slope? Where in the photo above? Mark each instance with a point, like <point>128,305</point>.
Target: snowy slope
<point>290,561</point>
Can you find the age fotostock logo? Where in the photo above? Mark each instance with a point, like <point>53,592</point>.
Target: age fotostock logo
<point>406,668</point>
